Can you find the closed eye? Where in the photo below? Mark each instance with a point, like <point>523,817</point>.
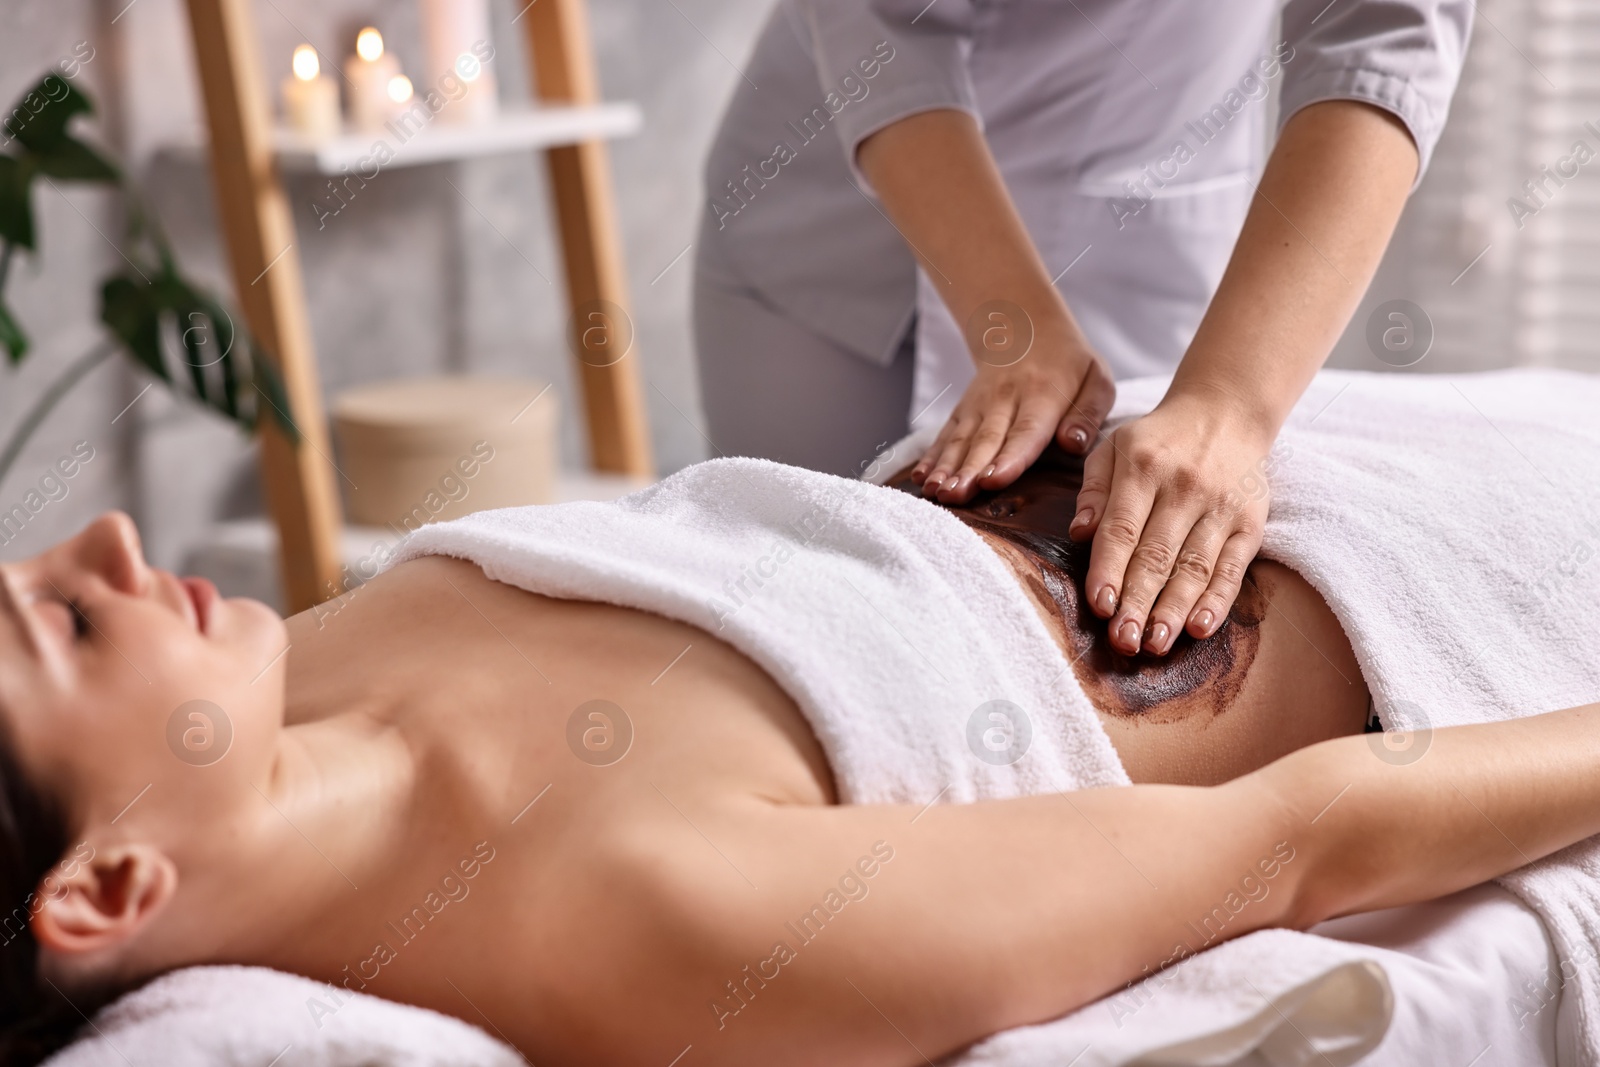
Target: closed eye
<point>62,605</point>
<point>80,621</point>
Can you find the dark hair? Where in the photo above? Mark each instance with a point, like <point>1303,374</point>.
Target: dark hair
<point>35,1019</point>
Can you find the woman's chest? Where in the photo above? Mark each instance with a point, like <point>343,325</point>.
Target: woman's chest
<point>512,693</point>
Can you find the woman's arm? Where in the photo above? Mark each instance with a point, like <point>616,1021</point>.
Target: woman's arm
<point>942,189</point>
<point>946,925</point>
<point>1172,533</point>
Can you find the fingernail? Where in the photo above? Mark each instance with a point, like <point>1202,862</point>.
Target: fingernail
<point>919,473</point>
<point>1083,517</point>
<point>1128,635</point>
<point>931,485</point>
<point>1160,638</point>
<point>1204,620</point>
<point>1077,437</point>
<point>1105,601</point>
<point>990,472</point>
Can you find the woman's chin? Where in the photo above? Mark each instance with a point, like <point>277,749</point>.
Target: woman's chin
<point>251,625</point>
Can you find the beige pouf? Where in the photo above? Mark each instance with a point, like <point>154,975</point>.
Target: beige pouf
<point>422,450</point>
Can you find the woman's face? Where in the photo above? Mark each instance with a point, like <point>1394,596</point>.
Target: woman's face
<point>122,684</point>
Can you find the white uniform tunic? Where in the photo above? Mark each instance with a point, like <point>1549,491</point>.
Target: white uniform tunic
<point>1129,133</point>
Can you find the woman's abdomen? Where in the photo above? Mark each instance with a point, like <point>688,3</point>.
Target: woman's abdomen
<point>1278,675</point>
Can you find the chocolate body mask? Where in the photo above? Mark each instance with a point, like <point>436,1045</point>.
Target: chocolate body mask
<point>1031,517</point>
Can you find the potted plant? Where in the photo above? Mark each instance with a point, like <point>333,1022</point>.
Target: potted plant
<point>171,327</point>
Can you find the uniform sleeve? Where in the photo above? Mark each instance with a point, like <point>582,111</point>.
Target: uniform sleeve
<point>879,61</point>
<point>1404,56</point>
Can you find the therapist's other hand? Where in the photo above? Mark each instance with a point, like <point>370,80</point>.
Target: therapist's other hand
<point>1176,512</point>
<point>1009,413</point>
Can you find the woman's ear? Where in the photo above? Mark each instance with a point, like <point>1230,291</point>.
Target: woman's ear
<point>104,903</point>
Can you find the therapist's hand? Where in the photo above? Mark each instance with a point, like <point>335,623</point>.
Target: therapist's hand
<point>1011,410</point>
<point>1174,501</point>
<point>1176,509</point>
<point>943,191</point>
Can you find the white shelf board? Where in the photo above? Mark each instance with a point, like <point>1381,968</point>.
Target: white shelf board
<point>511,130</point>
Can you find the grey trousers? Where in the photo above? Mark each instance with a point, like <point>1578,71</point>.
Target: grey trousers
<point>773,389</point>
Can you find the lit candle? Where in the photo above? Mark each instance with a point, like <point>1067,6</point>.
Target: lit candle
<point>310,101</point>
<point>371,72</point>
<point>455,34</point>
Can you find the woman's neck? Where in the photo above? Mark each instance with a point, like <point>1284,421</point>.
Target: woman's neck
<point>380,776</point>
<point>361,794</point>
<point>309,847</point>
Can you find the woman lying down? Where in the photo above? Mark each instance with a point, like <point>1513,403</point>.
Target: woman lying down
<point>612,834</point>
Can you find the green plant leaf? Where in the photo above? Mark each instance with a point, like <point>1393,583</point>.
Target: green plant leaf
<point>230,387</point>
<point>193,332</point>
<point>129,312</point>
<point>224,336</point>
<point>11,336</point>
<point>169,290</point>
<point>195,326</point>
<point>16,207</point>
<point>136,309</point>
<point>39,119</point>
<point>72,160</point>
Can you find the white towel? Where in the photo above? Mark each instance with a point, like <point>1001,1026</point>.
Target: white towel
<point>255,1017</point>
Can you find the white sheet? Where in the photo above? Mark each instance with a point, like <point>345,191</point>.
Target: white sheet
<point>1477,981</point>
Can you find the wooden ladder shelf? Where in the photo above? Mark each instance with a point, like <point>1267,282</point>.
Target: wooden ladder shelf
<point>302,494</point>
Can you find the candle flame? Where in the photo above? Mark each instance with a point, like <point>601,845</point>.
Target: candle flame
<point>306,66</point>
<point>369,44</point>
<point>399,88</point>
